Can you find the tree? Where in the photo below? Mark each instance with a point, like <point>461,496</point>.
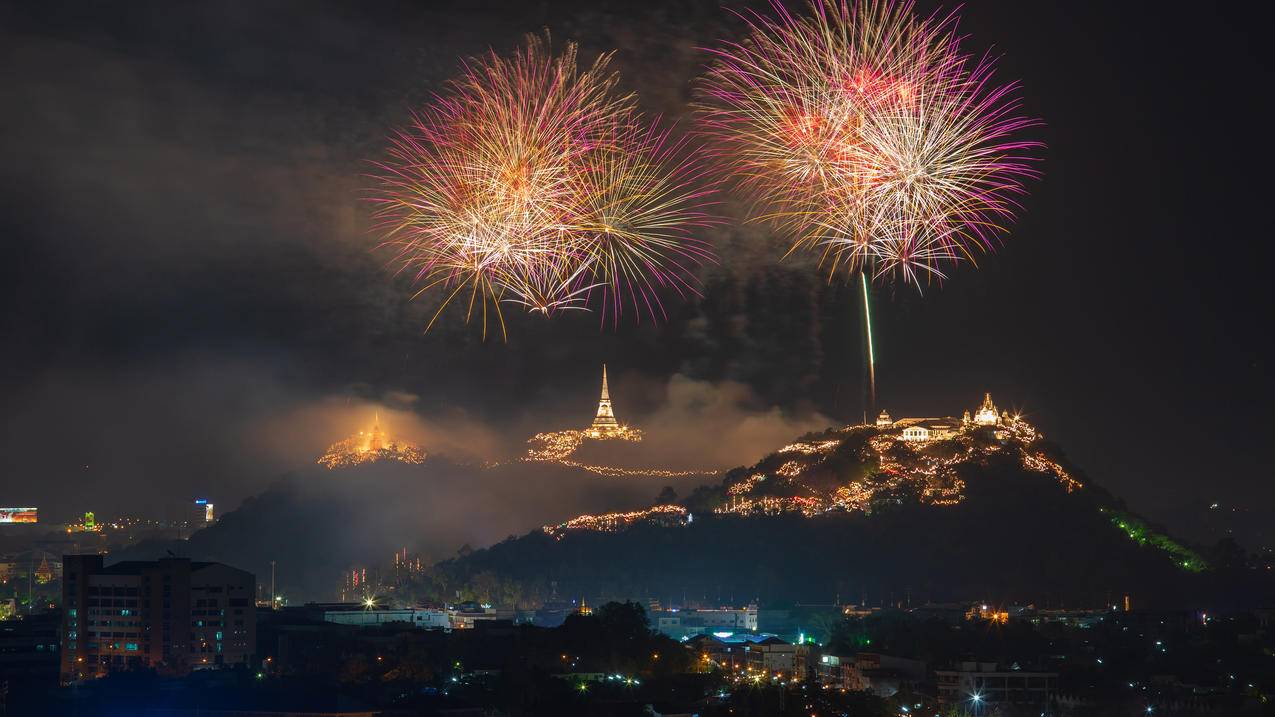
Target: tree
<point>355,669</point>
<point>667,495</point>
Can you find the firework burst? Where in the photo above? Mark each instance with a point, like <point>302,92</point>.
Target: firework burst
<point>532,182</point>
<point>868,136</point>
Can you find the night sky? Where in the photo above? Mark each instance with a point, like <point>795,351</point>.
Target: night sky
<point>190,303</point>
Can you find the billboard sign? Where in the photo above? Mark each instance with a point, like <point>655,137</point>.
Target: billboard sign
<point>18,515</point>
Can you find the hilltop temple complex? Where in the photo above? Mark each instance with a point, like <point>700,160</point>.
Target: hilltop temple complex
<point>370,446</point>
<point>938,429</point>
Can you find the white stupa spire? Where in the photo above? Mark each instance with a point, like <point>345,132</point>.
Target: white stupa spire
<point>604,423</point>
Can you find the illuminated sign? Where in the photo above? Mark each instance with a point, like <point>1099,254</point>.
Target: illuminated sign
<point>18,515</point>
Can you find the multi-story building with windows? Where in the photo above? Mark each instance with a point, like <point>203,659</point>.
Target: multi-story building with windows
<point>987,684</point>
<point>172,614</point>
<point>685,623</point>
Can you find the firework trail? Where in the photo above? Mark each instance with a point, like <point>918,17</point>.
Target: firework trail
<point>531,182</point>
<point>867,135</point>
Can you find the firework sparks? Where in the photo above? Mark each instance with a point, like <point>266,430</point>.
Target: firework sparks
<point>869,137</point>
<point>532,182</point>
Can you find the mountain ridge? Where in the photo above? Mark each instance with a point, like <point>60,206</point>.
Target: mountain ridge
<point>992,511</point>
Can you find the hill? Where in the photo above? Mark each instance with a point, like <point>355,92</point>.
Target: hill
<point>920,510</point>
<point>991,512</point>
<point>317,523</point>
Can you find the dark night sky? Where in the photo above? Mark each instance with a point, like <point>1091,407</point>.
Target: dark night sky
<point>187,276</point>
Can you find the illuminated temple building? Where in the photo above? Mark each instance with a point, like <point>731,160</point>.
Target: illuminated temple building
<point>561,446</point>
<point>986,414</point>
<point>370,446</point>
<point>939,429</point>
<point>604,423</point>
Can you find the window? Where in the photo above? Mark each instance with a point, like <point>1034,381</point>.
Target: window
<point>130,646</point>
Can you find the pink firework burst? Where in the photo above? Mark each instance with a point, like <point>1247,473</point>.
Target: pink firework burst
<point>866,134</point>
<point>534,183</point>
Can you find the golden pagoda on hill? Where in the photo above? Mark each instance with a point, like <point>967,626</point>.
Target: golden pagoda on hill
<point>604,423</point>
<point>368,447</point>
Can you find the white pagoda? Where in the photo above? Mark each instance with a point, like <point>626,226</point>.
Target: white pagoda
<point>604,424</point>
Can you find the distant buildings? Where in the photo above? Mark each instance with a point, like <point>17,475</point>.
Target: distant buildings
<point>355,614</point>
<point>467,616</point>
<point>920,430</point>
<point>453,617</point>
<point>172,614</point>
<point>751,653</point>
<point>681,624</point>
<point>882,675</point>
<point>930,430</point>
<point>205,512</point>
<point>990,683</point>
<point>773,655</point>
<point>29,650</point>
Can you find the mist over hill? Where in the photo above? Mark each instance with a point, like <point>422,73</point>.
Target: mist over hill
<point>317,523</point>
